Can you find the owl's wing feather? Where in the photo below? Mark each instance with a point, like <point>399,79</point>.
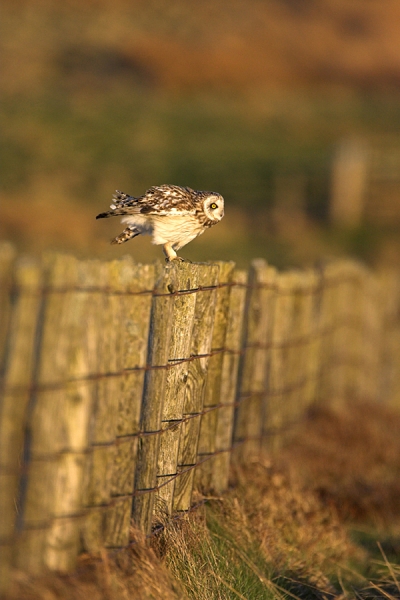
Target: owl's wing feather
<point>163,200</point>
<point>119,205</point>
<point>167,200</point>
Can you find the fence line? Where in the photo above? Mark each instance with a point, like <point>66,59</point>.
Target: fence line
<point>124,386</point>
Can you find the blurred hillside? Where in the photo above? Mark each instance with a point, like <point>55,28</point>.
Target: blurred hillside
<point>212,44</point>
<point>247,98</point>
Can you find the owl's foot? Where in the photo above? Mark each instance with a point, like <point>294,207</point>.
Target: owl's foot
<point>178,259</point>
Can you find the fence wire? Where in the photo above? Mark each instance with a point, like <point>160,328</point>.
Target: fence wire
<point>292,343</point>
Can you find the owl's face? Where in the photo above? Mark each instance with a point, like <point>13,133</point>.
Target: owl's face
<point>214,207</point>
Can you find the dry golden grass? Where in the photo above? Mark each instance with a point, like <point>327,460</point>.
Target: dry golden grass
<point>289,527</point>
<point>132,573</point>
<point>351,459</point>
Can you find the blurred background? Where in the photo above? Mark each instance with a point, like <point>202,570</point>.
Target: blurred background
<point>289,108</point>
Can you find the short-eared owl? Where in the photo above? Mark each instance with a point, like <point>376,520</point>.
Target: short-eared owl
<point>172,215</point>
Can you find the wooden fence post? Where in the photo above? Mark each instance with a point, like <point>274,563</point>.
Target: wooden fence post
<point>153,396</point>
<point>195,386</point>
<point>342,327</point>
<point>310,330</point>
<point>186,277</point>
<point>256,351</point>
<point>327,324</point>
<point>371,343</point>
<point>229,383</point>
<point>103,423</point>
<point>389,388</point>
<point>353,350</point>
<point>134,334</point>
<point>301,342</point>
<point>123,319</point>
<point>279,380</point>
<point>60,416</point>
<point>349,182</point>
<point>20,347</point>
<point>333,317</point>
<point>7,262</point>
<point>120,382</point>
<point>212,396</point>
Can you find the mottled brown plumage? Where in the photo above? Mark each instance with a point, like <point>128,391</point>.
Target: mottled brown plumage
<point>171,214</point>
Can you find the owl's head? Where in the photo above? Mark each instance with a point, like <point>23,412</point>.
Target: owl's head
<point>213,205</point>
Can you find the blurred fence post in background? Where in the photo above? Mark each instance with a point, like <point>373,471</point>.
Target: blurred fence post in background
<point>259,311</point>
<point>56,422</point>
<point>126,387</point>
<point>19,333</point>
<point>349,183</point>
<point>389,302</point>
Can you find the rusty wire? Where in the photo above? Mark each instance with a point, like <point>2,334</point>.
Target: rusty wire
<point>352,323</point>
<point>44,290</point>
<point>115,499</point>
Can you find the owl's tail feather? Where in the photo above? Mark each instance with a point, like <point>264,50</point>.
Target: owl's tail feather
<point>118,206</point>
<point>120,198</point>
<point>127,234</point>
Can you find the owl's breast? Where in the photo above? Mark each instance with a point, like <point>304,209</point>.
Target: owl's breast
<point>178,230</point>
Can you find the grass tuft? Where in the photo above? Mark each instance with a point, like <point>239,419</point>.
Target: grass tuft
<point>291,527</point>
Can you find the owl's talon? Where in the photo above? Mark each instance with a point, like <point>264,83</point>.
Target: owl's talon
<point>178,259</point>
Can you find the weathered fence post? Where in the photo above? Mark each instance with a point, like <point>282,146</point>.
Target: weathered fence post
<point>153,396</point>
<point>229,383</point>
<point>116,436</point>
<point>342,330</point>
<point>310,331</point>
<point>280,378</point>
<point>389,388</point>
<point>183,311</point>
<point>195,386</point>
<point>19,360</point>
<point>254,363</point>
<point>301,342</point>
<point>59,412</point>
<point>119,384</point>
<point>212,396</point>
<point>349,181</point>
<point>137,284</point>
<point>367,343</point>
<point>7,262</point>
<point>103,422</point>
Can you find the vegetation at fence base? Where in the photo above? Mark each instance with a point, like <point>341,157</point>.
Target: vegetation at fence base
<point>275,534</point>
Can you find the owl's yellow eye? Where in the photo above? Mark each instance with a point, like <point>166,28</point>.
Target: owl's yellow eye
<point>213,206</point>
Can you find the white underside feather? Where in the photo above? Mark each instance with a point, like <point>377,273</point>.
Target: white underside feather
<point>174,229</point>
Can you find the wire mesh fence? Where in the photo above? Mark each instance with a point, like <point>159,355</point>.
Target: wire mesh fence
<point>124,387</point>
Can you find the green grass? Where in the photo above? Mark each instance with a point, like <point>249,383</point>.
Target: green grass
<point>217,563</point>
<point>216,557</point>
<point>70,148</point>
<point>134,139</point>
<point>281,532</point>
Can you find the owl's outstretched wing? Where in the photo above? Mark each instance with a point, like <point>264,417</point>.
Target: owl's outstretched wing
<point>163,200</point>
<point>168,200</point>
<point>122,204</point>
